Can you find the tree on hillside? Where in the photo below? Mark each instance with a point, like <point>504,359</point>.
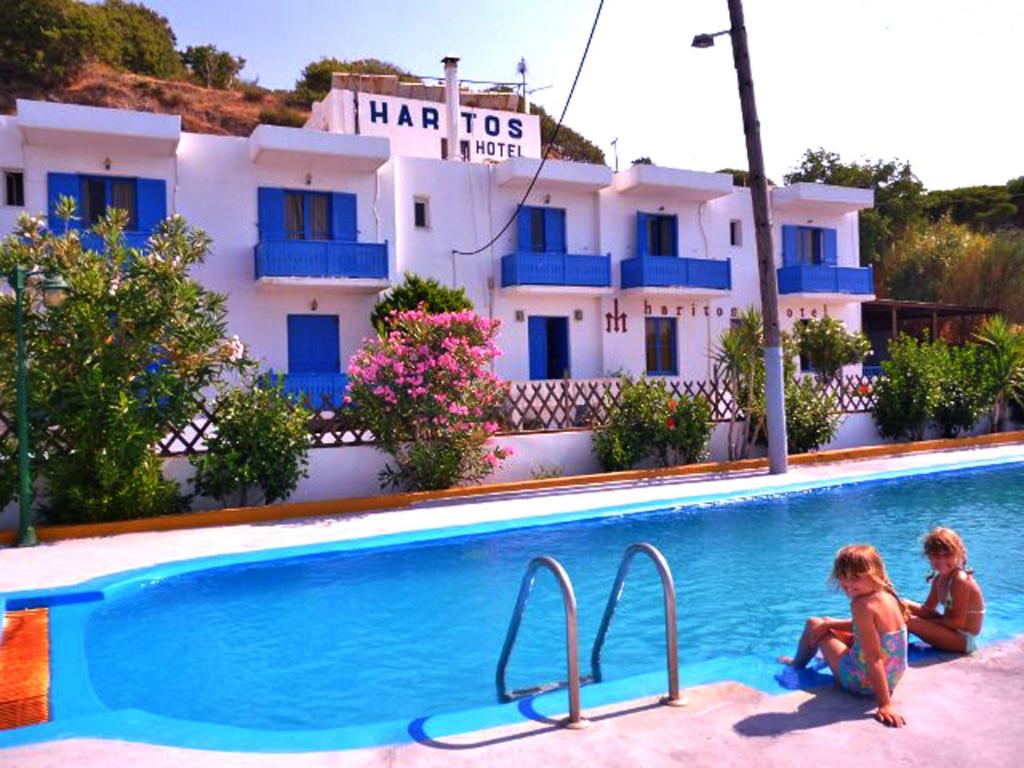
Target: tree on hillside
<point>898,205</point>
<point>214,67</point>
<point>570,145</point>
<point>741,178</point>
<point>45,41</point>
<point>144,42</point>
<point>983,208</point>
<point>316,76</point>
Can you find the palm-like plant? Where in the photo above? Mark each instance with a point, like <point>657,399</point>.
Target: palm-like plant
<point>1002,365</point>
<point>739,368</point>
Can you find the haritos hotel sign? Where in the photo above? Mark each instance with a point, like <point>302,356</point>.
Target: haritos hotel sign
<point>417,128</point>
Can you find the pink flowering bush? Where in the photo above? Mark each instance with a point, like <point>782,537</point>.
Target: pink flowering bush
<point>426,393</point>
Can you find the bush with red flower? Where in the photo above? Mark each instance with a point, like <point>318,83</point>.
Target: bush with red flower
<point>426,392</point>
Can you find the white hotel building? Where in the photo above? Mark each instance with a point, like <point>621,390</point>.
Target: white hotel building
<point>600,272</point>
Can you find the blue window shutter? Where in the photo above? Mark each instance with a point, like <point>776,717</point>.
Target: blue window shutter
<point>674,236</point>
<point>641,234</point>
<point>343,216</point>
<point>789,244</point>
<point>537,330</point>
<point>558,339</point>
<point>313,344</point>
<point>62,185</point>
<point>554,230</point>
<point>524,229</point>
<point>673,369</point>
<point>150,203</point>
<point>271,213</point>
<point>829,247</point>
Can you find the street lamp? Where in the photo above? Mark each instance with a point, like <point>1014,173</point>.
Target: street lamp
<point>54,291</point>
<point>773,386</point>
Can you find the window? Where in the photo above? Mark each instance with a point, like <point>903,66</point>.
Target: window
<point>306,216</point>
<point>421,212</point>
<point>735,233</point>
<point>660,343</point>
<point>805,362</point>
<point>656,234</point>
<point>444,149</point>
<point>464,150</point>
<point>14,188</point>
<point>541,230</point>
<point>808,246</point>
<point>100,193</point>
<point>549,347</point>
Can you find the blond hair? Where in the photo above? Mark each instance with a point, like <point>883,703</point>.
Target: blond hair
<point>945,541</point>
<point>863,560</point>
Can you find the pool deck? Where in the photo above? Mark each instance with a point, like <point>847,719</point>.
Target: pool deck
<point>959,711</point>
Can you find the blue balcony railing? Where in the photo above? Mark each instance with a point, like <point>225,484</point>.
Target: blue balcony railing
<point>93,242</point>
<point>317,390</point>
<point>820,278</point>
<point>321,258</point>
<point>672,272</point>
<point>529,268</point>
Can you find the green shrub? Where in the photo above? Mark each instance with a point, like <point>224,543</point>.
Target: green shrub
<point>118,364</point>
<point>647,423</point>
<point>812,419</point>
<point>827,345</point>
<point>909,389</point>
<point>413,292</point>
<point>315,81</point>
<point>689,428</point>
<point>261,443</point>
<point>46,41</point>
<point>282,116</point>
<point>211,66</point>
<point>143,41</point>
<point>963,396</point>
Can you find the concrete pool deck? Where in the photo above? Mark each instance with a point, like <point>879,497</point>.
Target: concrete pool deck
<point>962,710</point>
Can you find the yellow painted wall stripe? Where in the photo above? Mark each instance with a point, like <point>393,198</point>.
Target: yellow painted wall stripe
<point>339,507</point>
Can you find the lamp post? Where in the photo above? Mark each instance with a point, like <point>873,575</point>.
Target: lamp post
<point>773,386</point>
<point>54,290</point>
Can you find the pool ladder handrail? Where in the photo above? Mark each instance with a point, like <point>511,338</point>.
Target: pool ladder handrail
<point>575,720</point>
<point>669,592</point>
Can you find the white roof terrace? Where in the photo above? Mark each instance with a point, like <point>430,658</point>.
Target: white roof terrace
<point>675,183</point>
<point>335,151</point>
<point>44,123</point>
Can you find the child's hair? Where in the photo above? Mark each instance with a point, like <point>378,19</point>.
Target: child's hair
<point>863,559</point>
<point>945,541</point>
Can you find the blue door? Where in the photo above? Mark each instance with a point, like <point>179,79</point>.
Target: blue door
<point>549,347</point>
<point>313,344</point>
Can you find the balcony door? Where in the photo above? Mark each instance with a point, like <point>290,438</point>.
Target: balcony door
<point>549,347</point>
<point>313,344</point>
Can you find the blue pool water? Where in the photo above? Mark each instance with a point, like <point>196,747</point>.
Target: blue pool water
<point>379,640</point>
<point>356,638</point>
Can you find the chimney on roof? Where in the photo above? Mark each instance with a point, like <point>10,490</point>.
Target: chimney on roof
<point>451,95</point>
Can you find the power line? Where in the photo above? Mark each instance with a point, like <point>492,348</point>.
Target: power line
<point>554,138</point>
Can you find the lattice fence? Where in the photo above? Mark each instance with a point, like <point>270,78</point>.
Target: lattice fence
<point>530,406</point>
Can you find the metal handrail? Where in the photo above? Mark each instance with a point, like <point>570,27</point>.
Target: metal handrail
<point>669,592</point>
<point>571,641</point>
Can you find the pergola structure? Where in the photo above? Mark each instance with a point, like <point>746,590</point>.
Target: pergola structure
<point>885,319</point>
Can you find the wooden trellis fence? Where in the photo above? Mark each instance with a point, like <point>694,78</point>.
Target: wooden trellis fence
<point>530,406</point>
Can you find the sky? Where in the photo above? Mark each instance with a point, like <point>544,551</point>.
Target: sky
<point>927,81</point>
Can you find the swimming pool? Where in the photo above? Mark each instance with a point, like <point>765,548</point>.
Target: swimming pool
<point>380,640</point>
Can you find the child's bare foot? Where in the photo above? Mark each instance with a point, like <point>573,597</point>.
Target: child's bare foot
<point>787,660</point>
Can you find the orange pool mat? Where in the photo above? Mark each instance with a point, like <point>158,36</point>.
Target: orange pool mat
<point>25,668</point>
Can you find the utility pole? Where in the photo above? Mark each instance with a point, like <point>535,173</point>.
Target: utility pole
<point>774,388</point>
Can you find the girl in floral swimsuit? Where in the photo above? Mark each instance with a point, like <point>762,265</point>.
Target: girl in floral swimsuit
<point>867,654</point>
<point>957,626</point>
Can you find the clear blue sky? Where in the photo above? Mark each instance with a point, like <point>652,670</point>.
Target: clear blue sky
<point>936,82</point>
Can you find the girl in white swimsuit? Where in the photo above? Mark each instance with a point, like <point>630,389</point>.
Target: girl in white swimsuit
<point>957,626</point>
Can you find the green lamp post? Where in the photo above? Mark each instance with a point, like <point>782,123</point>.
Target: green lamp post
<point>54,291</point>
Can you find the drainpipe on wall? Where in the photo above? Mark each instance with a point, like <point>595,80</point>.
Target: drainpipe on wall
<point>451,95</point>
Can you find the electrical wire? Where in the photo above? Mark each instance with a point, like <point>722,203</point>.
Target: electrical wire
<point>554,138</point>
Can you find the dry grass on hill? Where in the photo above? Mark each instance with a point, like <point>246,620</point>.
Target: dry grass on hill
<point>203,110</point>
